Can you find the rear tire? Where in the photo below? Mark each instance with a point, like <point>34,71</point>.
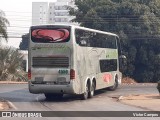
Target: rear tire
<point>85,95</point>
<point>50,96</point>
<point>114,87</point>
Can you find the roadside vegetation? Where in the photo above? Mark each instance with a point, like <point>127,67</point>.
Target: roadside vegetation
<point>10,59</point>
<point>137,22</point>
<point>10,65</point>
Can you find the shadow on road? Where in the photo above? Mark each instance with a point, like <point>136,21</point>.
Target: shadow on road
<point>70,98</point>
<point>23,95</point>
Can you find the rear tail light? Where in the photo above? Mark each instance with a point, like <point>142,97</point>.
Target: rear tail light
<point>72,74</point>
<point>29,74</point>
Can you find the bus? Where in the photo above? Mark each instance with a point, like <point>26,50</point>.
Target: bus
<point>69,59</point>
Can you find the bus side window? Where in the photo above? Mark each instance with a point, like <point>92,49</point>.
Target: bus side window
<point>82,37</point>
<point>110,42</point>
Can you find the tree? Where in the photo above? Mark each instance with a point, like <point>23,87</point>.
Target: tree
<point>3,25</point>
<point>10,64</point>
<point>24,43</point>
<point>137,22</point>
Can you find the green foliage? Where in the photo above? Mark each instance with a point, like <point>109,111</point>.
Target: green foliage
<point>137,22</point>
<point>24,43</point>
<point>3,26</point>
<point>10,64</point>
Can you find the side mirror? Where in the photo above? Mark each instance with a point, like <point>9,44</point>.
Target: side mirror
<point>122,62</point>
<point>122,57</point>
<point>158,86</point>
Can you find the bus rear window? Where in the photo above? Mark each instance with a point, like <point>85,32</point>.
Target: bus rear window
<point>50,34</point>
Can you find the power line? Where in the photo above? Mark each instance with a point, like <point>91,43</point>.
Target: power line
<point>16,12</point>
<point>18,26</point>
<point>13,36</point>
<point>10,33</point>
<point>25,15</point>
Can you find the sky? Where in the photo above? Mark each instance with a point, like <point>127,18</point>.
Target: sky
<point>19,14</point>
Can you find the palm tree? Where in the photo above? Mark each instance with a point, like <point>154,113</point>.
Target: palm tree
<point>3,26</point>
<point>10,64</point>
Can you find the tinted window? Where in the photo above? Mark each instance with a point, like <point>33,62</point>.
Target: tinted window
<point>50,34</point>
<point>108,65</point>
<point>93,39</point>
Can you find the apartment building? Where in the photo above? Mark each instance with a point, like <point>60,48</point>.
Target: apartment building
<point>52,13</point>
<point>39,13</point>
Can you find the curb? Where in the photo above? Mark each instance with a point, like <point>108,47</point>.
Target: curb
<point>11,105</point>
<point>7,105</point>
<point>8,82</point>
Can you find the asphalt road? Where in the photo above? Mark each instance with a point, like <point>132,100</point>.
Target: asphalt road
<point>22,100</point>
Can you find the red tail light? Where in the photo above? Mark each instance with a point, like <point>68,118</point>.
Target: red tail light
<point>29,74</point>
<point>72,74</point>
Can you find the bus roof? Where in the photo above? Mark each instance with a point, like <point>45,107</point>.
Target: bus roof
<point>78,27</point>
<point>94,30</point>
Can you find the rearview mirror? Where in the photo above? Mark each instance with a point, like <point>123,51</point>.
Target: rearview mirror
<point>122,62</point>
<point>123,57</point>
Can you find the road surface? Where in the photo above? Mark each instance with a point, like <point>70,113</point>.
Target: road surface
<point>22,100</point>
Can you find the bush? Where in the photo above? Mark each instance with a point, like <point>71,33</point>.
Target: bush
<point>158,86</point>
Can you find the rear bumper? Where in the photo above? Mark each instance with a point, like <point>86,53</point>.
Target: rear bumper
<point>51,88</point>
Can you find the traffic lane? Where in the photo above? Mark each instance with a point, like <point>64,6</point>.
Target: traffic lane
<point>19,96</point>
<point>22,94</point>
<point>102,101</point>
<point>122,90</point>
<point>11,87</point>
<point>95,104</point>
<point>24,100</point>
<point>16,92</point>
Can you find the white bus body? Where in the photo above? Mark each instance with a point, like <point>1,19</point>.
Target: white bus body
<point>67,59</point>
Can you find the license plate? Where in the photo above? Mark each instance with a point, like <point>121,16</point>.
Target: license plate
<point>39,79</point>
<point>61,79</point>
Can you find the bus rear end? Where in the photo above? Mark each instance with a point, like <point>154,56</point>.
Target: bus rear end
<point>50,60</point>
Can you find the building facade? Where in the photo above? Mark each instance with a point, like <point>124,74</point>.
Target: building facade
<point>52,13</point>
<point>39,13</point>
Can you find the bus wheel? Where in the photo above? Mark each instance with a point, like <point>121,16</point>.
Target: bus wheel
<point>53,96</point>
<point>114,87</point>
<point>86,93</point>
<point>92,90</point>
